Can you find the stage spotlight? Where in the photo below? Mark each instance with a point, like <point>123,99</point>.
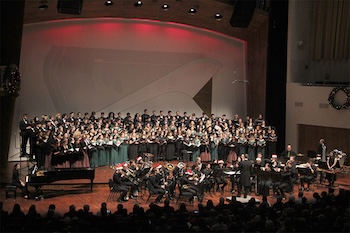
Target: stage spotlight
<point>218,16</point>
<point>109,3</point>
<point>138,3</point>
<point>165,6</point>
<point>192,10</point>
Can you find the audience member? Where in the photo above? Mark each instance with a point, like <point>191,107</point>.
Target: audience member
<point>319,214</point>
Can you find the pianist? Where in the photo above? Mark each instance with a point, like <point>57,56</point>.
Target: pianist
<point>308,174</point>
<point>16,181</point>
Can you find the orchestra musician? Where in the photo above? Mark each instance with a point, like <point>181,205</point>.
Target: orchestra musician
<point>274,163</point>
<point>236,178</point>
<point>331,164</point>
<point>286,154</point>
<point>119,185</point>
<point>258,164</point>
<point>291,166</point>
<point>139,163</point>
<point>322,149</point>
<point>283,183</point>
<point>129,179</point>
<point>179,170</point>
<point>188,183</point>
<point>265,180</point>
<point>219,176</point>
<point>309,175</point>
<point>199,177</point>
<point>156,184</point>
<point>208,180</point>
<point>198,163</point>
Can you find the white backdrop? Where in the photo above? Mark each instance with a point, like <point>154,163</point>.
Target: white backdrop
<point>126,65</point>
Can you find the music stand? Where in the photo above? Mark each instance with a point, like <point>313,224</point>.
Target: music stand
<point>303,171</point>
<point>311,154</point>
<point>322,164</point>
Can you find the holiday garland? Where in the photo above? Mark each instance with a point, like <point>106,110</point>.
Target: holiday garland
<point>331,97</point>
<point>12,80</point>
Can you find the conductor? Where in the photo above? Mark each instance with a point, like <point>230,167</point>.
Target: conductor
<point>246,167</point>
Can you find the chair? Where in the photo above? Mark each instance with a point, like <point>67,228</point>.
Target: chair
<point>183,193</point>
<point>10,189</point>
<point>112,191</point>
<point>150,193</point>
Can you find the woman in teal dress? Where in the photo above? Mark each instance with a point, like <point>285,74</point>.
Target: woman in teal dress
<point>108,148</point>
<point>124,147</point>
<point>242,144</point>
<point>261,146</point>
<point>114,159</point>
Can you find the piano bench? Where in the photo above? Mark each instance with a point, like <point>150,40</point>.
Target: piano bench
<point>10,189</point>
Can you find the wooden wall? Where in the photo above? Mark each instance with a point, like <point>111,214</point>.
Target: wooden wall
<point>335,138</point>
<point>257,68</point>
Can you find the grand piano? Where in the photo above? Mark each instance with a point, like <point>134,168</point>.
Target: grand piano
<point>38,179</point>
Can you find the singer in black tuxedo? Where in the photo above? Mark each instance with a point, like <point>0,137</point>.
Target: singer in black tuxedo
<point>25,128</point>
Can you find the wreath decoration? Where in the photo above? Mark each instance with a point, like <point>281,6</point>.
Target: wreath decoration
<point>331,97</point>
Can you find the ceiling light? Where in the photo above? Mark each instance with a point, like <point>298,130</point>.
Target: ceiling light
<point>109,3</point>
<point>165,6</point>
<point>218,16</point>
<point>192,10</point>
<point>138,3</point>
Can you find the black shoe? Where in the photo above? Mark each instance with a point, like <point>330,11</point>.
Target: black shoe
<point>120,200</point>
<point>245,195</point>
<point>307,189</point>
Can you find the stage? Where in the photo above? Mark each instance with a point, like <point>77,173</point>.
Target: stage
<point>74,192</point>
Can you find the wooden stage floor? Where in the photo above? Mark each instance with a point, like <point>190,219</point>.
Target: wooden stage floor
<point>77,195</point>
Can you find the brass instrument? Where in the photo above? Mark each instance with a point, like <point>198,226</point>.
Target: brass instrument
<point>129,172</point>
<point>181,165</point>
<point>169,166</point>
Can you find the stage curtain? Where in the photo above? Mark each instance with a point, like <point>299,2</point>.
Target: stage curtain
<point>330,30</point>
